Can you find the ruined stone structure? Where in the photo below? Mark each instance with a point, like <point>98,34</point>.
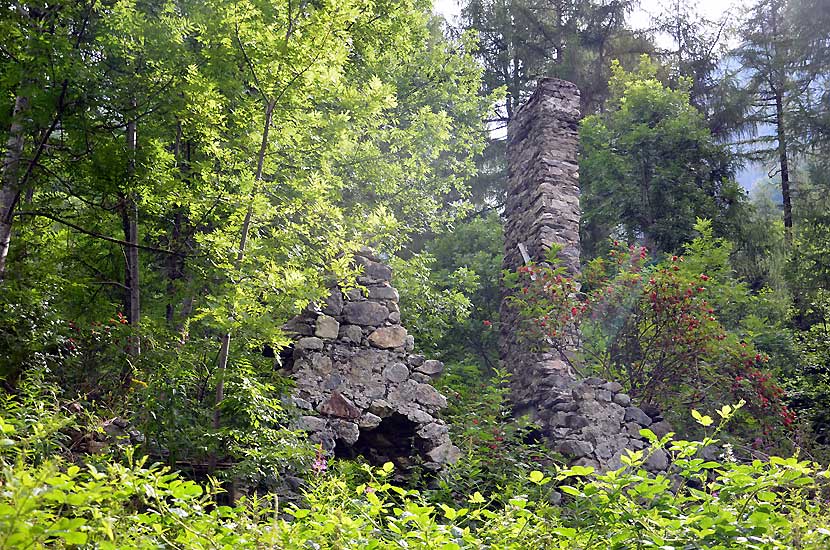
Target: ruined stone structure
<point>590,421</point>
<point>360,388</point>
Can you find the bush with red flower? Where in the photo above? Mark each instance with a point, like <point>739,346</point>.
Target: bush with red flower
<point>655,326</point>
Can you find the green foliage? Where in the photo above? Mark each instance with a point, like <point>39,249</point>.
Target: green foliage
<point>433,305</point>
<point>497,448</point>
<point>778,503</point>
<point>676,332</point>
<point>650,167</point>
<point>450,292</point>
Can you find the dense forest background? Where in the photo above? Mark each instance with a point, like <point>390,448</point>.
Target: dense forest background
<point>182,177</point>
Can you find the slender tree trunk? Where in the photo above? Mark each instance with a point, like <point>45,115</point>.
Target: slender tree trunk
<point>10,193</point>
<point>130,222</point>
<point>224,350</point>
<point>780,120</point>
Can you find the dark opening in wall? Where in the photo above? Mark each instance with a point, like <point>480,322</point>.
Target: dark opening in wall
<point>393,440</point>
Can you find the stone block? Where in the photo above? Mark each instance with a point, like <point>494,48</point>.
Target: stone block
<point>338,406</point>
<point>622,399</point>
<point>388,337</point>
<point>310,423</point>
<point>327,327</point>
<point>574,448</point>
<point>396,372</point>
<point>431,367</point>
<point>365,313</point>
<point>374,271</point>
<point>309,343</point>
<point>383,293</point>
<point>334,303</point>
<point>635,414</point>
<point>351,333</point>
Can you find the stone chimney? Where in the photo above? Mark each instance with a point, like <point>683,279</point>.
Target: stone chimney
<point>542,209</point>
<point>590,421</point>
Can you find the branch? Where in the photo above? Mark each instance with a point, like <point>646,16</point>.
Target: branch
<point>35,213</point>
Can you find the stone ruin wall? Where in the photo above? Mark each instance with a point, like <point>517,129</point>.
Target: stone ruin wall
<point>590,421</point>
<point>359,387</point>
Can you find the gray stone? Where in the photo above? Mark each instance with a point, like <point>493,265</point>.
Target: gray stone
<point>574,448</point>
<point>299,326</point>
<point>383,293</point>
<point>312,423</point>
<point>583,392</point>
<point>418,377</point>
<point>559,419</point>
<point>566,406</point>
<point>388,337</point>
<point>427,395</point>
<point>365,313</point>
<point>396,372</point>
<point>415,360</point>
<point>369,421</point>
<point>575,422</point>
<point>446,453</point>
<point>348,432</point>
<point>301,403</point>
<point>635,414</point>
<point>395,317</point>
<point>661,429</point>
<point>332,382</point>
<point>334,303</point>
<point>434,431</point>
<point>352,333</point>
<point>327,327</point>
<point>613,387</point>
<point>604,396</point>
<point>431,367</point>
<point>309,343</point>
<point>355,295</point>
<point>633,429</point>
<point>409,343</point>
<point>622,399</point>
<point>593,381</point>
<point>381,407</point>
<point>374,271</point>
<point>657,462</point>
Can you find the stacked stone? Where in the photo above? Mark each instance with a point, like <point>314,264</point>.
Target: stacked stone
<point>593,422</point>
<point>542,205</point>
<point>354,369</point>
<point>589,421</point>
<point>541,209</point>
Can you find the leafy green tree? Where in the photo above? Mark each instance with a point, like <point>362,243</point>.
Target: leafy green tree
<point>650,167</point>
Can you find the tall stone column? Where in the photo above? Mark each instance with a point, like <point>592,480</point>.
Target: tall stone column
<point>542,209</point>
<point>590,421</point>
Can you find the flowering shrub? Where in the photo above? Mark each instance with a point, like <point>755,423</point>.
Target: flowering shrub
<point>654,326</point>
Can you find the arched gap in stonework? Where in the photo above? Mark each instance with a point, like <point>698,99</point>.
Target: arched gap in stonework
<point>393,440</point>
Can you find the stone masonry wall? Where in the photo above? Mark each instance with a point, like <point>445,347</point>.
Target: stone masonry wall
<point>359,386</point>
<point>589,421</point>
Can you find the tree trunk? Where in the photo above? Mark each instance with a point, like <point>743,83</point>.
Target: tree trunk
<point>784,165</point>
<point>10,193</point>
<point>130,222</point>
<point>224,349</point>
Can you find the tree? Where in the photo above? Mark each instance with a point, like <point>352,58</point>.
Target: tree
<point>650,167</point>
<point>777,74</point>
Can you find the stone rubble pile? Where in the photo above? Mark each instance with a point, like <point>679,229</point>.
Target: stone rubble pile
<point>592,422</point>
<point>359,387</point>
